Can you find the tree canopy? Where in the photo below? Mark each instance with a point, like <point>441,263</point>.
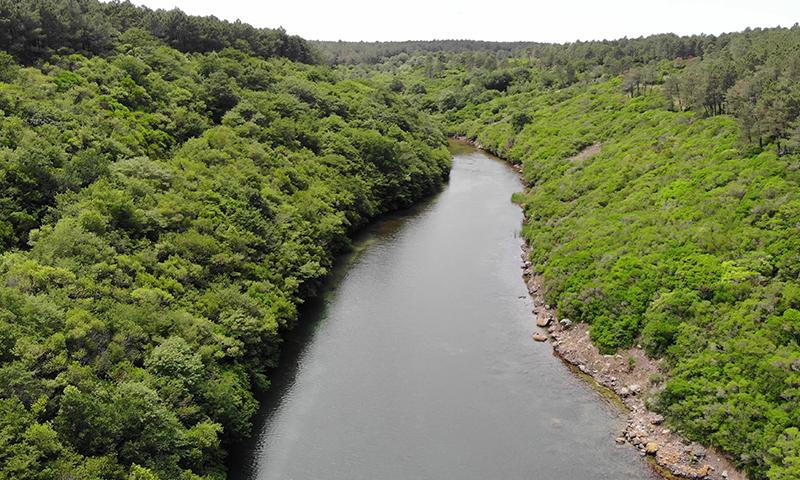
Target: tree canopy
<point>32,30</point>
<point>163,215</point>
<point>661,207</point>
<point>173,188</point>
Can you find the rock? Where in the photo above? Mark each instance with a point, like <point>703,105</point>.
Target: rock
<point>551,329</point>
<point>656,419</point>
<point>539,337</point>
<point>634,389</point>
<point>583,368</point>
<point>543,321</point>
<point>651,448</point>
<point>566,323</point>
<point>624,391</point>
<point>698,451</point>
<point>620,440</point>
<point>702,472</point>
<point>547,307</point>
<point>724,474</point>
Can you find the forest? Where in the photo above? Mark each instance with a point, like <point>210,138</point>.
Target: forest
<point>662,206</point>
<point>174,187</point>
<point>166,207</point>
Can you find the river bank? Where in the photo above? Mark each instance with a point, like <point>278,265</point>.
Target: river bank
<point>629,376</point>
<point>633,378</point>
<point>418,364</point>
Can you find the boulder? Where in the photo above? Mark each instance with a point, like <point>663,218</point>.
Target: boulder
<point>566,323</point>
<point>543,321</point>
<point>635,389</point>
<point>620,440</point>
<point>624,391</point>
<point>539,337</point>
<point>698,451</point>
<point>651,448</point>
<point>656,419</point>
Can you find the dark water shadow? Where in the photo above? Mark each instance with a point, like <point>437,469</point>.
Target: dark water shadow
<point>242,458</point>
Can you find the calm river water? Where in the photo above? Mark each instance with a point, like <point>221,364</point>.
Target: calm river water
<point>417,362</point>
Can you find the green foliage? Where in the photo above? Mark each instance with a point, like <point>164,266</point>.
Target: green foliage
<point>36,29</point>
<point>661,202</point>
<point>162,217</point>
<point>171,192</point>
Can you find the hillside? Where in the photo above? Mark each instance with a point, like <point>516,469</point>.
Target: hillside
<point>163,215</point>
<point>174,187</point>
<point>662,208</point>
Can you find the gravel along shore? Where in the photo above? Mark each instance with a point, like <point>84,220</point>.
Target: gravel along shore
<point>629,378</point>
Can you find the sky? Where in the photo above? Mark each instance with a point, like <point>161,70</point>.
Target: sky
<point>500,20</point>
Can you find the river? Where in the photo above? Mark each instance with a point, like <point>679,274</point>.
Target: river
<point>417,361</point>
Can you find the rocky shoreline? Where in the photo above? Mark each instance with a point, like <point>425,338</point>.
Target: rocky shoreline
<point>631,377</point>
<point>628,378</point>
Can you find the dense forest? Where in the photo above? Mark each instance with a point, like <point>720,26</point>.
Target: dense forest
<point>173,188</point>
<point>33,30</point>
<point>169,197</point>
<point>662,206</point>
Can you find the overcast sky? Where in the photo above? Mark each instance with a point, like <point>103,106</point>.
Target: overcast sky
<point>532,20</point>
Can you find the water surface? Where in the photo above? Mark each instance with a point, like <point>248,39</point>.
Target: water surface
<point>417,362</point>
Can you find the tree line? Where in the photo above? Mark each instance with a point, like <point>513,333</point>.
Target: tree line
<point>162,217</point>
<point>678,232</point>
<point>32,30</point>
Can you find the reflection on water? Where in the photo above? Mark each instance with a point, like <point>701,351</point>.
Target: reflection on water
<point>417,362</point>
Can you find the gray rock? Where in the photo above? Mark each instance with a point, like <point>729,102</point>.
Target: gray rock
<point>635,389</point>
<point>624,391</point>
<point>566,323</point>
<point>656,419</point>
<point>698,451</point>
